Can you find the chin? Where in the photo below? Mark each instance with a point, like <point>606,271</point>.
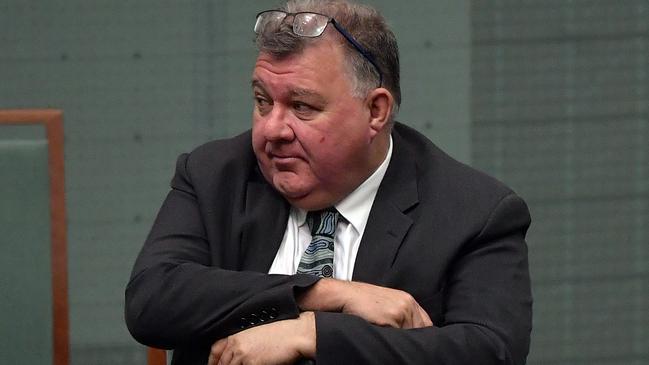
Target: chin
<point>311,202</point>
<point>300,192</point>
<point>288,187</point>
<point>300,198</point>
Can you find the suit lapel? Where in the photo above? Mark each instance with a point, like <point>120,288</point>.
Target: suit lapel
<point>388,224</point>
<point>265,222</point>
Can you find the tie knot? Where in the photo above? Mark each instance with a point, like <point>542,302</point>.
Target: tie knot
<point>323,222</point>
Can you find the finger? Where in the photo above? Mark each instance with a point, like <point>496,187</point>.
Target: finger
<point>216,351</point>
<point>227,357</point>
<point>233,358</point>
<point>411,320</point>
<point>428,322</point>
<point>394,318</point>
<point>236,360</point>
<point>411,316</point>
<point>423,319</point>
<point>417,318</point>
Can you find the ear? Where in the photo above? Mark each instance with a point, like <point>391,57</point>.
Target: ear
<point>380,103</point>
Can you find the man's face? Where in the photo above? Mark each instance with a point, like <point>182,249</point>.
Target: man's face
<point>310,135</point>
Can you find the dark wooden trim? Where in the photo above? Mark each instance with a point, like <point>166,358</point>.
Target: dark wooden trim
<point>53,122</point>
<point>156,356</point>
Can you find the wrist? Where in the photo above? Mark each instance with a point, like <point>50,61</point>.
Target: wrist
<point>326,295</point>
<point>307,335</point>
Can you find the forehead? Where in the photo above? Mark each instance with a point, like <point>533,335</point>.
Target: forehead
<point>318,65</point>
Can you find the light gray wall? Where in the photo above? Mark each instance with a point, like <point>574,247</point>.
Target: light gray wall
<point>559,110</point>
<point>435,45</point>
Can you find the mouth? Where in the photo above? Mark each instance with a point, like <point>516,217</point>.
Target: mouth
<point>284,159</point>
<point>282,156</point>
<point>283,162</point>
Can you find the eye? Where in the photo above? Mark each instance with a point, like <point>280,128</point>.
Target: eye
<point>262,104</point>
<point>304,110</point>
<point>299,106</point>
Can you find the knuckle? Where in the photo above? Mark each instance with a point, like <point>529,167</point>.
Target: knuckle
<point>403,303</point>
<point>409,298</point>
<point>214,349</point>
<point>238,353</point>
<point>408,301</point>
<point>395,313</point>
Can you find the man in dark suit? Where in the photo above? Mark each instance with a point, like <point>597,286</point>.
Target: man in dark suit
<point>331,232</point>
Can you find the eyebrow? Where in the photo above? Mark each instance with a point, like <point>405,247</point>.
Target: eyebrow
<point>296,92</point>
<point>310,94</point>
<point>303,92</point>
<point>256,83</point>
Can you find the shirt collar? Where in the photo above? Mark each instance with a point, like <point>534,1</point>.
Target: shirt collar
<point>355,208</point>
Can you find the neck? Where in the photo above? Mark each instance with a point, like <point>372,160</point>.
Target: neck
<point>379,150</point>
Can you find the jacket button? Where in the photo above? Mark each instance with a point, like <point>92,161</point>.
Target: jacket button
<point>254,319</point>
<point>243,322</point>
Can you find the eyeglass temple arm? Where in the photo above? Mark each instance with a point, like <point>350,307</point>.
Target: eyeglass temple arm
<point>359,48</point>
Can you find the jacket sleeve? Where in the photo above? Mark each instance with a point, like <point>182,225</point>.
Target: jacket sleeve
<point>488,308</point>
<point>176,296</point>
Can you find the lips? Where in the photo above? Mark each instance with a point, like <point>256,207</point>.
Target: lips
<point>281,160</point>
<point>284,161</point>
<point>280,156</point>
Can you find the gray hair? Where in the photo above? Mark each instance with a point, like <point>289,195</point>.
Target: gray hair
<point>364,23</point>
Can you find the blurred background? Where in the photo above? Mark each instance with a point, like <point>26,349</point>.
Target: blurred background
<point>550,96</point>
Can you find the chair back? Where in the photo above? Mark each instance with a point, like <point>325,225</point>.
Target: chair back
<point>156,356</point>
<point>33,259</point>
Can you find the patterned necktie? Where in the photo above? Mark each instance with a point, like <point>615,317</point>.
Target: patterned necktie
<point>318,259</point>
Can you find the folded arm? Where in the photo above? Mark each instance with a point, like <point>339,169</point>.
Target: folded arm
<point>177,295</point>
<point>487,302</point>
<point>487,318</point>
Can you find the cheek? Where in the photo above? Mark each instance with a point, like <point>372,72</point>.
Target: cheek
<point>329,160</point>
<point>258,141</point>
<point>259,149</point>
<point>341,155</point>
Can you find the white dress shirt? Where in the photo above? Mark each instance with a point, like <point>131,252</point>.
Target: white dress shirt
<point>354,211</point>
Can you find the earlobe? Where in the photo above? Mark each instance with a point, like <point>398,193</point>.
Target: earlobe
<point>380,103</point>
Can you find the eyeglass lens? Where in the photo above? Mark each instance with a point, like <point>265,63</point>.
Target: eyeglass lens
<point>309,25</point>
<point>304,24</point>
<point>268,17</point>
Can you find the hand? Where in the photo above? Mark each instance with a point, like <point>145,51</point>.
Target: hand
<point>376,304</point>
<point>281,342</point>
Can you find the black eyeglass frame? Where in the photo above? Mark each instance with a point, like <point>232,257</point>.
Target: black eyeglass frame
<point>366,54</point>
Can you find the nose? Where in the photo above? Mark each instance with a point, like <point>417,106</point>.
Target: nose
<point>276,126</point>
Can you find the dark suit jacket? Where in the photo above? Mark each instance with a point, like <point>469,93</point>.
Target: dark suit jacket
<point>452,237</point>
